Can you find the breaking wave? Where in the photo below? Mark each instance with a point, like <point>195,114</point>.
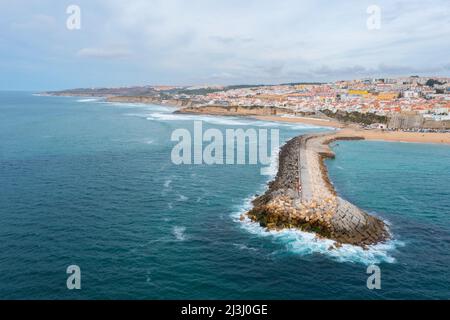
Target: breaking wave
<point>179,233</point>
<point>89,100</point>
<point>304,243</point>
<point>228,121</point>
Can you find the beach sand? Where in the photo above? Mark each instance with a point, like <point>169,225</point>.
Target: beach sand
<point>372,134</point>
<point>318,122</point>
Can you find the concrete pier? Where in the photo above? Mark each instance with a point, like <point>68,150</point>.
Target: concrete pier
<point>301,196</point>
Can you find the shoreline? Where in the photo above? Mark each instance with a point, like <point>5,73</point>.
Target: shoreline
<point>306,120</point>
<point>369,134</point>
<point>345,129</point>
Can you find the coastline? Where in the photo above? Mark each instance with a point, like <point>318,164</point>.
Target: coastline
<point>345,129</point>
<point>184,107</point>
<point>179,104</point>
<point>370,134</point>
<point>272,114</point>
<point>400,136</point>
<point>305,120</point>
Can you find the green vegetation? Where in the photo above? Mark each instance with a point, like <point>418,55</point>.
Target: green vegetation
<point>198,92</point>
<point>356,117</point>
<point>432,82</point>
<point>303,84</point>
<point>205,91</point>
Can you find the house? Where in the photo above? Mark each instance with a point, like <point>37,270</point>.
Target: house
<point>381,126</point>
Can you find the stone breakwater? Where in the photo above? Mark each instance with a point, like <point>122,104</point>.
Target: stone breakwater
<point>302,197</point>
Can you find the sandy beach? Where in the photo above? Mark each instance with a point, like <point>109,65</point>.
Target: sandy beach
<point>306,120</point>
<point>398,136</point>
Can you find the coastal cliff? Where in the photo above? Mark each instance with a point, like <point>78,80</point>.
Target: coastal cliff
<point>236,110</point>
<point>182,103</point>
<point>302,197</point>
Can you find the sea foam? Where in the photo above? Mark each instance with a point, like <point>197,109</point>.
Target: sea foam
<point>228,121</point>
<point>140,106</point>
<point>304,243</point>
<point>89,100</point>
<point>179,233</point>
<point>209,119</point>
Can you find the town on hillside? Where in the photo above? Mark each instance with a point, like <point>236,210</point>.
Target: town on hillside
<point>406,103</point>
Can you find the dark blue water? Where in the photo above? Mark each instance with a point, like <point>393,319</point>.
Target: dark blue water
<point>92,184</point>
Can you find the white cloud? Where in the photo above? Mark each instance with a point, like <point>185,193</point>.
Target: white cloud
<point>106,53</point>
<point>234,41</point>
<point>271,39</point>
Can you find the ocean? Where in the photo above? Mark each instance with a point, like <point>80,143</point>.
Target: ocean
<point>89,183</point>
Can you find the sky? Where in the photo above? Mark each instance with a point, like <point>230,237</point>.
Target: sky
<point>218,42</point>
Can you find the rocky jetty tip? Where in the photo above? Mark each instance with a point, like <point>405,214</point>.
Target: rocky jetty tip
<point>302,197</point>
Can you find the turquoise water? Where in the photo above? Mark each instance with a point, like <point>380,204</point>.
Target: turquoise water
<point>89,183</point>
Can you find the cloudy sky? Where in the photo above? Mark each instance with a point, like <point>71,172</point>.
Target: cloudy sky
<point>195,42</point>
